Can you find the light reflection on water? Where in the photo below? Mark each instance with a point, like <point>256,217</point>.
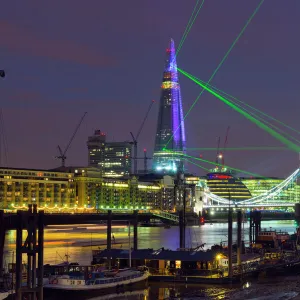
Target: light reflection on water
<point>77,242</point>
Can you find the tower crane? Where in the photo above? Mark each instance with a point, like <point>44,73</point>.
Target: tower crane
<point>218,150</point>
<point>136,137</point>
<point>225,145</point>
<point>62,154</point>
<point>145,161</point>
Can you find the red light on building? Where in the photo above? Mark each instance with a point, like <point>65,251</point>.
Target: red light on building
<point>223,177</point>
<point>219,176</point>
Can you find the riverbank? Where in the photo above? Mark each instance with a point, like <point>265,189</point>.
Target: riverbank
<point>278,288</point>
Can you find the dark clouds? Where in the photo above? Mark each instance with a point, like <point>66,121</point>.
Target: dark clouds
<point>23,42</point>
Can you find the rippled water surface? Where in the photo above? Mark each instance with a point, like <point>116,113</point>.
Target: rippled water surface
<point>76,242</point>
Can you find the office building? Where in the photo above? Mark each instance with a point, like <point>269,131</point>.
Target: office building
<point>117,159</point>
<point>170,134</point>
<point>258,186</point>
<point>47,189</point>
<point>96,147</point>
<point>77,189</point>
<point>112,158</point>
<point>226,185</point>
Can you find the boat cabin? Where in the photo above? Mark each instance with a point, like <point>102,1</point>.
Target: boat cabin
<point>248,258</point>
<point>272,238</point>
<point>161,261</point>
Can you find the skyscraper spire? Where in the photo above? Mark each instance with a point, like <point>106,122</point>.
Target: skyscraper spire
<point>170,133</point>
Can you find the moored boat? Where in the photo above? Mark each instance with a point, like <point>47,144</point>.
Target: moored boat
<point>3,295</point>
<point>96,280</point>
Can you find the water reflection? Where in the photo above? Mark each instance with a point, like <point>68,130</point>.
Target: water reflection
<point>76,243</point>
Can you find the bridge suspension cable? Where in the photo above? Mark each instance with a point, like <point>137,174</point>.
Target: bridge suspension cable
<point>273,192</point>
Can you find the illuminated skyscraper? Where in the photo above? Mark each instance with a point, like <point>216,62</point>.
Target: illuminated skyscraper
<point>113,158</point>
<point>170,133</point>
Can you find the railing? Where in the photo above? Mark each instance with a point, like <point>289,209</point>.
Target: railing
<point>165,215</point>
<point>113,280</point>
<point>251,205</point>
<point>209,273</point>
<point>158,213</point>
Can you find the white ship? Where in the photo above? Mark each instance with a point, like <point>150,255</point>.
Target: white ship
<point>96,280</point>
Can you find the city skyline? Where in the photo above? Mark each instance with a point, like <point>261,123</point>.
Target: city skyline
<point>57,68</point>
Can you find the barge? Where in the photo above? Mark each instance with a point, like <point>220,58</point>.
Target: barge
<point>95,284</point>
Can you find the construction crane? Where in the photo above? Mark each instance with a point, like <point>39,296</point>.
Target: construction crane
<point>135,138</point>
<point>225,145</point>
<point>145,159</point>
<point>219,155</point>
<point>62,154</point>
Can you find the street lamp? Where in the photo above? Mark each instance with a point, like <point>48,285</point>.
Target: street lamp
<point>2,73</point>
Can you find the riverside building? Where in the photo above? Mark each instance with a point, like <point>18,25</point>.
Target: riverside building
<point>77,189</point>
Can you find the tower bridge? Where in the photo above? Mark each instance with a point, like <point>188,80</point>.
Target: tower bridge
<point>250,206</point>
<point>274,197</point>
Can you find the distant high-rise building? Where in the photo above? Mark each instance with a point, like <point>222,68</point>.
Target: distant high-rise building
<point>113,158</point>
<point>170,134</point>
<point>117,159</point>
<point>96,147</point>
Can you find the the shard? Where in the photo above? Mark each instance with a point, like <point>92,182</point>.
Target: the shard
<point>170,140</point>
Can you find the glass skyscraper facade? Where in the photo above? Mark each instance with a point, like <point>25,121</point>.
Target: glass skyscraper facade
<point>113,158</point>
<point>170,139</point>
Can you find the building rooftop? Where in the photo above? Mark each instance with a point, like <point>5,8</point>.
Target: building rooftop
<point>160,254</point>
<point>35,170</point>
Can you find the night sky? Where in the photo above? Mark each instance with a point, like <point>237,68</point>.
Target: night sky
<point>106,57</point>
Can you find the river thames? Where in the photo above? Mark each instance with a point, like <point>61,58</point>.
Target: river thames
<point>76,242</point>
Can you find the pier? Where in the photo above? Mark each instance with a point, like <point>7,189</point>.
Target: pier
<point>34,221</point>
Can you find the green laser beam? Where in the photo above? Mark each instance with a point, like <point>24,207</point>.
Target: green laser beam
<point>186,31</point>
<point>279,130</point>
<point>261,119</point>
<point>239,149</point>
<point>214,163</point>
<point>191,162</point>
<point>258,117</point>
<point>219,66</point>
<point>190,26</point>
<point>246,104</point>
<point>220,165</point>
<point>232,98</point>
<point>272,132</point>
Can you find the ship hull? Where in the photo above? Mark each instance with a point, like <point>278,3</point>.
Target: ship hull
<point>87,291</point>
